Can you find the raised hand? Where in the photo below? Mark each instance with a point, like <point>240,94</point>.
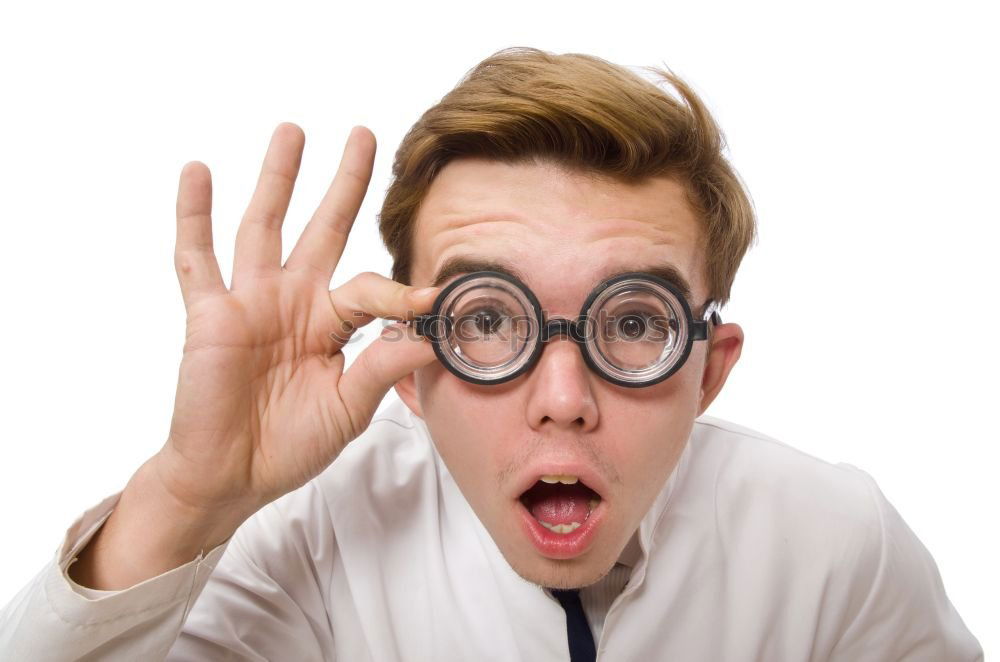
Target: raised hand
<point>263,403</point>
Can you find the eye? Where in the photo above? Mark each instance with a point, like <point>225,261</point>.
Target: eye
<point>632,326</point>
<point>483,321</point>
<point>488,320</point>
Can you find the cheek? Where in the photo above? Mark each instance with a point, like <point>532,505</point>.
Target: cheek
<point>472,429</point>
<point>649,430</point>
<point>444,411</point>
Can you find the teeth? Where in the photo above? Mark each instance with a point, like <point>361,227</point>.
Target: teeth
<point>560,528</point>
<point>559,478</point>
<point>572,526</point>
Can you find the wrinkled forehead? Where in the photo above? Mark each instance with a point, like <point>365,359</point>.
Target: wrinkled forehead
<point>557,231</point>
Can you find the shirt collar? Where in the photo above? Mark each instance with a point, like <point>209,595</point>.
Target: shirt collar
<point>640,545</point>
<point>650,523</point>
<point>632,552</point>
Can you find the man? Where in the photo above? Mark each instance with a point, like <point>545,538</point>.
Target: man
<point>563,233</point>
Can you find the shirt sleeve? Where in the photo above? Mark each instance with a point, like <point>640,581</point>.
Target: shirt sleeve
<point>268,597</point>
<point>255,596</point>
<point>53,618</point>
<point>906,616</point>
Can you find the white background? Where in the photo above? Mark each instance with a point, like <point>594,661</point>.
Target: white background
<point>867,135</point>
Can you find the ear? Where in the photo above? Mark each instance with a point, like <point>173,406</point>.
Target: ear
<point>726,344</point>
<point>406,388</point>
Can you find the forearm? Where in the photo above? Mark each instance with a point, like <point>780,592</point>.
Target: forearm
<point>147,534</point>
<point>52,619</point>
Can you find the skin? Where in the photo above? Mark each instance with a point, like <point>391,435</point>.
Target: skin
<point>263,402</point>
<point>565,232</point>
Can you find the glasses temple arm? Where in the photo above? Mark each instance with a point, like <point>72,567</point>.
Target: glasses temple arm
<point>711,314</point>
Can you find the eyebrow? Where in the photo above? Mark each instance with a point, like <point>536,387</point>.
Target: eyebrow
<point>460,264</point>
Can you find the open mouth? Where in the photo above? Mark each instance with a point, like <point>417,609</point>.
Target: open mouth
<point>560,503</point>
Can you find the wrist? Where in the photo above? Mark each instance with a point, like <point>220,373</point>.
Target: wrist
<point>201,526</point>
<point>148,533</point>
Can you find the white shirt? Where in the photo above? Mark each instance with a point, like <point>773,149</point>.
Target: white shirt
<point>751,551</point>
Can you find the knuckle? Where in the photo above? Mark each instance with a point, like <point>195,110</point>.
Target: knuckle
<point>373,285</point>
<point>269,220</point>
<point>284,178</point>
<point>362,280</point>
<point>339,222</point>
<point>358,178</point>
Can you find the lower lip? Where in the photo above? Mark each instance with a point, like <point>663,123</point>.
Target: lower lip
<point>562,545</point>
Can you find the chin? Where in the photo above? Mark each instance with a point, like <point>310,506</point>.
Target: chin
<point>551,573</point>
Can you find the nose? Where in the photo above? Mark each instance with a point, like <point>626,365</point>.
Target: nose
<point>561,391</point>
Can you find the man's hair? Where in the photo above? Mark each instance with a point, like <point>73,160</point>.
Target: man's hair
<point>523,105</point>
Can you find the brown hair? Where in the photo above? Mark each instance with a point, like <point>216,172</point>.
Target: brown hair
<point>584,113</point>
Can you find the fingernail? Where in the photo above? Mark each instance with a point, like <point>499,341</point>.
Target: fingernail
<point>422,292</point>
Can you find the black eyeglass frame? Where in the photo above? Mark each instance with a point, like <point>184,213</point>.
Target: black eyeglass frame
<point>429,326</point>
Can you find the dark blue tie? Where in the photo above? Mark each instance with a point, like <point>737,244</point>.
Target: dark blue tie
<point>581,639</point>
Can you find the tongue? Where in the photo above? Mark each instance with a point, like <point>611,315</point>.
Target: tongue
<point>558,503</point>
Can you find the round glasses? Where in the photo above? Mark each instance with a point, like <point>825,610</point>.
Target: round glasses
<point>634,329</point>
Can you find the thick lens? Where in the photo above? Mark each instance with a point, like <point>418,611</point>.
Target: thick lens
<point>492,331</point>
<point>485,327</point>
<point>636,331</point>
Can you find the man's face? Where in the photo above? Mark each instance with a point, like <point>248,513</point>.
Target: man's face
<point>563,233</point>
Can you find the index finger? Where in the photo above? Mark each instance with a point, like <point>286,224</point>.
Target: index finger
<point>323,240</point>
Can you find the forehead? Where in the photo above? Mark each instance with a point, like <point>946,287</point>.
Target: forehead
<point>560,232</point>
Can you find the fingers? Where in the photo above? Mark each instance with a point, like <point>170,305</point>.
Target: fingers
<point>194,257</point>
<point>369,295</point>
<point>395,354</point>
<point>258,240</point>
<point>322,242</point>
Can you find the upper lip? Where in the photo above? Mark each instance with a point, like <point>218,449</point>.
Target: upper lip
<point>584,472</point>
